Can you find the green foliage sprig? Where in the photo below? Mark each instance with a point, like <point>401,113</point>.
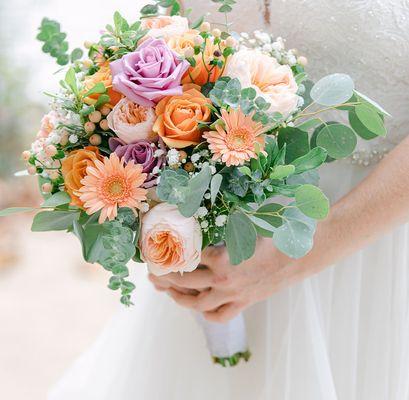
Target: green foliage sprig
<point>225,5</point>
<point>55,43</point>
<point>121,38</point>
<point>228,92</point>
<point>153,9</point>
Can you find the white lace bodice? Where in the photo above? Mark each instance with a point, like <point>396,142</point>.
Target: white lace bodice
<point>368,39</point>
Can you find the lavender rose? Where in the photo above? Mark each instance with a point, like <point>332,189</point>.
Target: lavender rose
<point>149,155</point>
<point>150,73</point>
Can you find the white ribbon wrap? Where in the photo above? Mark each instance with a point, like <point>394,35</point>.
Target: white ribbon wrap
<point>224,340</point>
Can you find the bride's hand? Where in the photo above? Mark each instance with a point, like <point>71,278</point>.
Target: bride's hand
<point>375,206</point>
<point>221,291</point>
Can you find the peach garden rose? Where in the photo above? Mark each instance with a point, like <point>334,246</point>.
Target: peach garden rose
<point>132,122</point>
<point>179,116</point>
<point>272,81</point>
<point>165,26</point>
<point>170,242</point>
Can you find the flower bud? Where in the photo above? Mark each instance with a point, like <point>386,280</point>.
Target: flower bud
<point>95,117</point>
<point>105,110</point>
<point>95,139</point>
<point>89,127</point>
<point>189,167</point>
<point>46,187</point>
<point>189,52</point>
<point>231,41</point>
<point>25,155</point>
<point>50,150</point>
<point>32,170</point>
<point>198,40</point>
<point>182,155</point>
<point>302,61</point>
<point>104,125</point>
<point>205,27</point>
<point>53,174</point>
<point>216,32</point>
<point>88,44</point>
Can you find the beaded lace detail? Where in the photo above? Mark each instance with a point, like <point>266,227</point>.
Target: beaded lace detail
<point>368,39</point>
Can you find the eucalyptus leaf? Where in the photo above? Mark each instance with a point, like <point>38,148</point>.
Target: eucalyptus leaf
<point>261,223</point>
<point>240,237</point>
<point>370,119</point>
<point>296,142</point>
<point>271,213</point>
<point>372,103</point>
<point>359,128</point>
<point>282,171</point>
<point>307,125</point>
<point>194,192</point>
<point>339,140</point>
<point>57,199</point>
<point>313,159</point>
<point>294,238</point>
<point>333,90</point>
<point>54,220</point>
<point>312,202</point>
<point>215,187</point>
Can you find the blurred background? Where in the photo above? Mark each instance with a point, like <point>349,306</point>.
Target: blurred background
<point>52,304</point>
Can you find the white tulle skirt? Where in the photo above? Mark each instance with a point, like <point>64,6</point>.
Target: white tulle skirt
<point>340,335</point>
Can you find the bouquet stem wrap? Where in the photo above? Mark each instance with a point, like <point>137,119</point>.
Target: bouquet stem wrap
<point>227,342</point>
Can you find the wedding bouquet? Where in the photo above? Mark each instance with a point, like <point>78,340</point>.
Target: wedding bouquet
<point>172,136</point>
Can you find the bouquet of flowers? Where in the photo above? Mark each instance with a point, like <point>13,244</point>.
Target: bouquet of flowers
<point>171,136</point>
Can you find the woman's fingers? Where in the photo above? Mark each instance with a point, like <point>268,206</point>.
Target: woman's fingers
<point>164,286</point>
<point>204,301</point>
<point>223,314</point>
<point>199,279</point>
<point>214,257</point>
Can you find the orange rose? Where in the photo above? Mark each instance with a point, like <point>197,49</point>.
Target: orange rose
<point>179,116</point>
<point>102,75</point>
<point>74,170</point>
<point>199,74</point>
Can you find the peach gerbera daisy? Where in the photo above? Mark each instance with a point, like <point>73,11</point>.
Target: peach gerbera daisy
<point>111,184</point>
<point>235,143</point>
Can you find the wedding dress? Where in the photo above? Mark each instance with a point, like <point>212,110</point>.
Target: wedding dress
<point>340,335</point>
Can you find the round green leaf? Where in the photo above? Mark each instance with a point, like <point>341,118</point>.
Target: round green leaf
<point>370,119</point>
<point>333,90</point>
<point>294,238</point>
<point>240,237</point>
<point>312,202</point>
<point>359,128</point>
<point>339,140</point>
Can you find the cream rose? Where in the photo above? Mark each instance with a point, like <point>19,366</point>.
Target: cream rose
<point>272,81</point>
<point>169,241</point>
<point>165,27</point>
<point>132,122</point>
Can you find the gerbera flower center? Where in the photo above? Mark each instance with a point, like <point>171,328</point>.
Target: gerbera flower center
<point>115,188</point>
<point>239,139</point>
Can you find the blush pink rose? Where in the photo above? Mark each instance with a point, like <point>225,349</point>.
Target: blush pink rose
<point>132,122</point>
<point>272,81</point>
<point>165,26</point>
<point>169,241</point>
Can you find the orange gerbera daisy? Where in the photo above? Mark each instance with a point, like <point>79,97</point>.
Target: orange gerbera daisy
<point>238,141</point>
<point>110,184</point>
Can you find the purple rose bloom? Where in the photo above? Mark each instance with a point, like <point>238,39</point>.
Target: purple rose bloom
<point>142,153</point>
<point>150,73</point>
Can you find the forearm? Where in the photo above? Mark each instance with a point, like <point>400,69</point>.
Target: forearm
<point>373,208</point>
